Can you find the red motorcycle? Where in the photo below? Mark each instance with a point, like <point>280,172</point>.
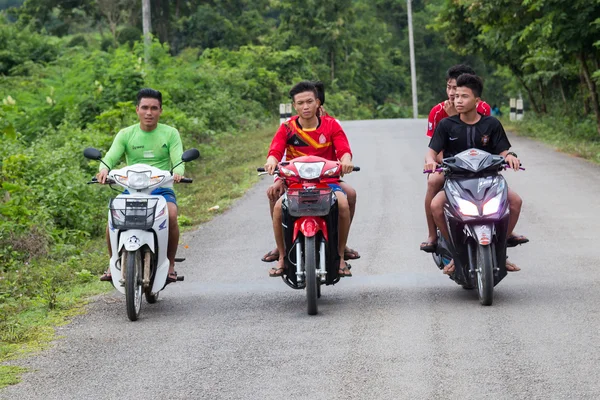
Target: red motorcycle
<point>310,224</point>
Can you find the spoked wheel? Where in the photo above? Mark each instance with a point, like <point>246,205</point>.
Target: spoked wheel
<point>485,275</point>
<point>133,284</point>
<point>310,268</point>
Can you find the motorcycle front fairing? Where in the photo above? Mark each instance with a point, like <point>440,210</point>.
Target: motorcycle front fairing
<point>133,239</point>
<point>486,222</point>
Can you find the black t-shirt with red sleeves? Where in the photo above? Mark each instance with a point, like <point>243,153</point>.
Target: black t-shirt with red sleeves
<point>454,136</point>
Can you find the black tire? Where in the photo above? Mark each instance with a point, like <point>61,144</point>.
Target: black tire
<point>151,298</point>
<point>133,284</point>
<point>310,277</point>
<point>485,275</point>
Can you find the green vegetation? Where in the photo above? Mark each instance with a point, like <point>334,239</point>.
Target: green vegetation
<point>565,133</point>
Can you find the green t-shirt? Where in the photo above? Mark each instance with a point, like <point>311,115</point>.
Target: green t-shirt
<point>160,148</point>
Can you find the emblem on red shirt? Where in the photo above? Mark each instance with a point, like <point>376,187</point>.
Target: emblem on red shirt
<point>322,139</point>
<point>485,140</point>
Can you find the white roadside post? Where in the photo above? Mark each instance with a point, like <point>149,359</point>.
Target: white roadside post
<point>281,113</point>
<point>519,109</point>
<point>288,111</point>
<point>513,109</point>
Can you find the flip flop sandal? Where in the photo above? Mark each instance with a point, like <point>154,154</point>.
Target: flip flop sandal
<point>106,277</point>
<point>274,272</point>
<point>345,272</point>
<point>516,240</point>
<point>170,279</point>
<point>428,247</point>
<point>351,254</point>
<point>271,256</point>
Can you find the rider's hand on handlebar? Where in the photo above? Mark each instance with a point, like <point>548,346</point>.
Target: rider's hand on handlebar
<point>430,166</point>
<point>101,176</point>
<point>513,162</point>
<point>177,177</point>
<point>346,167</point>
<point>271,165</point>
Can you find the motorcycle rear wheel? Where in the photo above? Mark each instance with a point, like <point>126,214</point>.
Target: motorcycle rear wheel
<point>310,268</point>
<point>133,284</point>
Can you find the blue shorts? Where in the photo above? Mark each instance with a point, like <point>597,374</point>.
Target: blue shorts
<point>167,193</point>
<point>336,188</point>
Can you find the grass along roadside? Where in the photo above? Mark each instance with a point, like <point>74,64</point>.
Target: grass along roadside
<point>568,135</point>
<point>225,171</point>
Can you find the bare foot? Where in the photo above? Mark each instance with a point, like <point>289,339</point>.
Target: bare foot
<point>510,267</point>
<point>448,269</point>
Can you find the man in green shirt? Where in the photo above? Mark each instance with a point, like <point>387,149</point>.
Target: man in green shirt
<point>154,144</point>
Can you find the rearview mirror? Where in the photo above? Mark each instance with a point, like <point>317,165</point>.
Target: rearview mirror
<point>92,153</point>
<point>190,155</point>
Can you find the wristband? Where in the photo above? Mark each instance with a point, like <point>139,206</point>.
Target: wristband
<point>510,153</point>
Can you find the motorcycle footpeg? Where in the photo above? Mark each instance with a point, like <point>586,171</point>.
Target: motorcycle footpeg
<point>179,259</point>
<point>180,278</point>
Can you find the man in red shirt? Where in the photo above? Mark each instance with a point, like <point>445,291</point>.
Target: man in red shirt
<point>435,182</point>
<point>310,134</point>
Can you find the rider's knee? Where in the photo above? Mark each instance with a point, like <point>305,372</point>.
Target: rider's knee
<point>515,201</point>
<point>435,182</point>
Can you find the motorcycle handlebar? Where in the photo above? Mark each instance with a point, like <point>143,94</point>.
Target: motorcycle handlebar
<point>186,180</point>
<point>94,180</point>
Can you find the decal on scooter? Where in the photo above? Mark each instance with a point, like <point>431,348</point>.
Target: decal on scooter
<point>163,225</point>
<point>473,153</point>
<point>134,240</point>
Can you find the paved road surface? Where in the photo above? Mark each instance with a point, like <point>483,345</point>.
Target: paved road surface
<point>398,329</point>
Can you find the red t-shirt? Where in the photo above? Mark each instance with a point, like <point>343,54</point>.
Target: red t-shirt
<point>438,113</point>
<point>328,140</point>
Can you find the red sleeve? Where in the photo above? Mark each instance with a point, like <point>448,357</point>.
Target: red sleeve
<point>278,143</point>
<point>433,120</point>
<point>484,108</point>
<point>341,145</point>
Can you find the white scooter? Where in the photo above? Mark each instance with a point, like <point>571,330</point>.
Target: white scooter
<point>139,230</point>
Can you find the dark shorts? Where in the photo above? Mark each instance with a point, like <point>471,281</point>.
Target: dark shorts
<point>167,193</point>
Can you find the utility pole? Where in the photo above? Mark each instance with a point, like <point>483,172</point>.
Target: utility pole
<point>413,70</point>
<point>147,26</point>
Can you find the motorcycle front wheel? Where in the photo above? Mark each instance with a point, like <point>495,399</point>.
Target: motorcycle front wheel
<point>485,275</point>
<point>310,268</point>
<point>133,284</point>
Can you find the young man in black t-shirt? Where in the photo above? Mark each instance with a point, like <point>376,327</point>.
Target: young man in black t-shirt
<point>466,130</point>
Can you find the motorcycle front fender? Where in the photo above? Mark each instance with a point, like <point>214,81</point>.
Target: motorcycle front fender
<point>134,239</point>
<point>310,226</point>
<point>482,234</point>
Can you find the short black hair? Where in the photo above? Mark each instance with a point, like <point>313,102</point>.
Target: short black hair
<point>151,93</point>
<point>471,81</point>
<point>457,70</point>
<point>320,91</point>
<point>304,86</point>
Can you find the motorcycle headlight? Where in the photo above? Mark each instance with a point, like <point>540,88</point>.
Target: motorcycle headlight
<point>492,205</point>
<point>309,170</point>
<point>156,180</point>
<point>466,207</point>
<point>139,180</point>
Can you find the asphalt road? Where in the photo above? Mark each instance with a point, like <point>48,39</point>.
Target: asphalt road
<point>398,329</point>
